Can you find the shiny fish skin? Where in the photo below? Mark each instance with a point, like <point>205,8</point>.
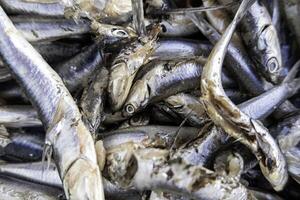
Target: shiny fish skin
<point>126,65</point>
<point>261,37</point>
<point>17,190</point>
<point>232,120</point>
<point>19,116</point>
<point>76,71</point>
<point>238,62</point>
<point>56,106</point>
<point>48,8</point>
<point>149,136</point>
<point>39,29</point>
<point>35,173</point>
<point>164,79</point>
<point>173,48</point>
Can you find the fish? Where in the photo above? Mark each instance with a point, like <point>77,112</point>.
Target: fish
<point>149,169</point>
<point>33,173</point>
<point>125,66</point>
<point>260,36</point>
<point>58,112</point>
<point>45,8</point>
<point>226,114</point>
<point>76,71</point>
<point>93,98</point>
<point>238,63</point>
<point>40,29</point>
<point>166,78</point>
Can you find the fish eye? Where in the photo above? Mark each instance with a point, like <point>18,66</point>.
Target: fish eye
<point>269,163</point>
<point>129,109</point>
<point>272,65</point>
<point>163,28</point>
<point>119,32</point>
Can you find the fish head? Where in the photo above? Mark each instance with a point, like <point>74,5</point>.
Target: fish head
<point>137,99</point>
<point>269,46</point>
<point>119,85</point>
<point>272,161</point>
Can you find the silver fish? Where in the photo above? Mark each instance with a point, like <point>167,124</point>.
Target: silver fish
<point>58,111</point>
<point>227,115</point>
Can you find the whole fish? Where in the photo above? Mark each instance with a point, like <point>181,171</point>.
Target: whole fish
<point>58,111</point>
<point>126,65</point>
<point>149,136</point>
<point>225,114</point>
<point>165,79</point>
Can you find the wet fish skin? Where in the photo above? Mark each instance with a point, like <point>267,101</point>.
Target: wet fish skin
<point>37,30</point>
<point>76,71</point>
<point>149,136</point>
<point>238,63</point>
<point>48,8</point>
<point>35,173</point>
<point>229,117</point>
<point>16,190</point>
<point>19,116</point>
<point>126,65</point>
<point>261,37</point>
<point>56,107</point>
<point>164,79</point>
<point>173,48</point>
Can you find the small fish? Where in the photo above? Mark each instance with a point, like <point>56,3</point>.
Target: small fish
<point>165,79</point>
<point>227,115</point>
<point>126,65</point>
<point>58,112</point>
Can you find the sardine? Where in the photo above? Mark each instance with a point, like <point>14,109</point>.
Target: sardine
<point>175,48</point>
<point>226,114</point>
<point>126,65</point>
<point>165,79</point>
<point>261,37</point>
<point>58,111</point>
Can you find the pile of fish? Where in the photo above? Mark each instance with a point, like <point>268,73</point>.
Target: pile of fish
<point>149,99</point>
